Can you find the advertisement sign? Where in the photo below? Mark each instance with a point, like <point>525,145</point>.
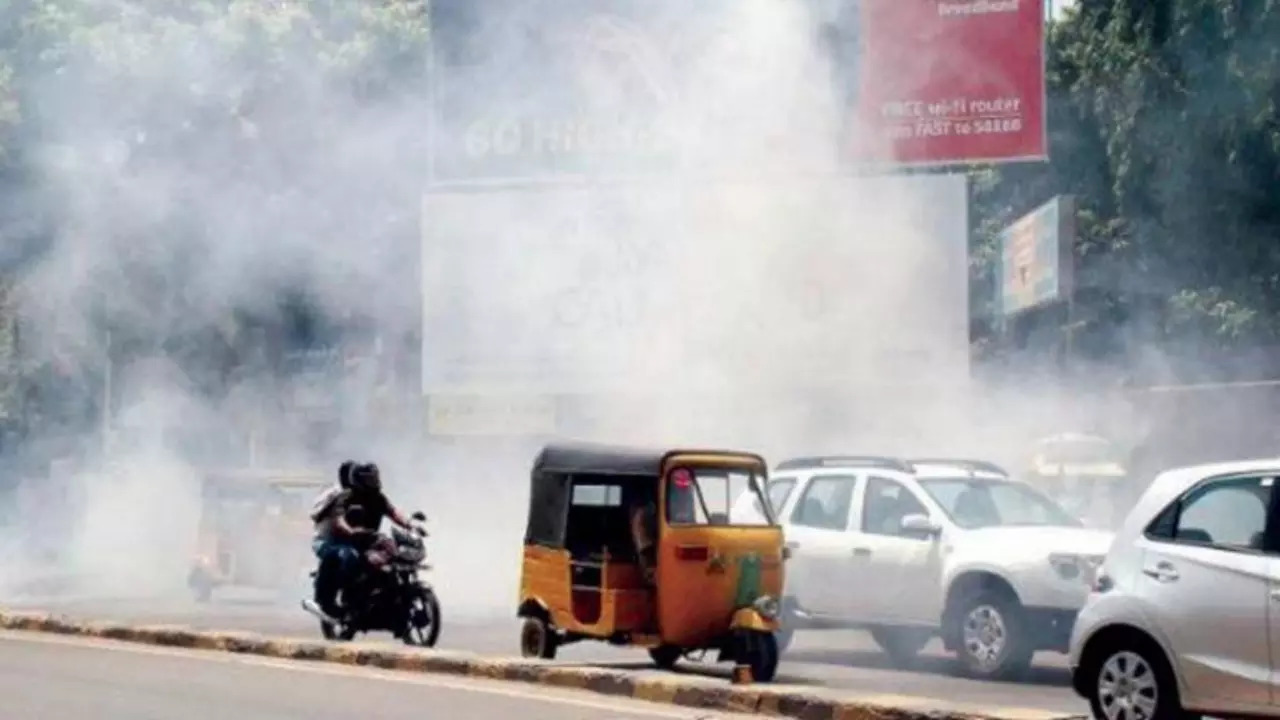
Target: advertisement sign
<point>534,90</point>
<point>554,290</point>
<point>527,89</point>
<point>1035,257</point>
<point>939,82</point>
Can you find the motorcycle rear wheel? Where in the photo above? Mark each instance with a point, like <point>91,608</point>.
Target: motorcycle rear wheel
<point>423,623</point>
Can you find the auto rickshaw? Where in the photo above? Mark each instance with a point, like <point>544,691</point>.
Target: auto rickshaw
<point>1083,472</point>
<point>637,548</point>
<point>254,529</point>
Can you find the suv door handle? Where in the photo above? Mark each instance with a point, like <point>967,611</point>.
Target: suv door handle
<point>1162,572</point>
<point>1275,594</point>
<point>862,552</point>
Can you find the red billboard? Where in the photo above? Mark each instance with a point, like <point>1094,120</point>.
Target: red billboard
<point>948,82</point>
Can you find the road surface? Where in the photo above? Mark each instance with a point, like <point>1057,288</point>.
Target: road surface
<point>45,677</point>
<point>843,661</point>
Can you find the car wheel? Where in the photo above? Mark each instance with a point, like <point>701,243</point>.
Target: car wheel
<point>665,656</point>
<point>902,645</point>
<point>538,639</point>
<point>1132,680</point>
<point>991,630</point>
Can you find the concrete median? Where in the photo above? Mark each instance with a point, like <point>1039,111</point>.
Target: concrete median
<point>683,690</point>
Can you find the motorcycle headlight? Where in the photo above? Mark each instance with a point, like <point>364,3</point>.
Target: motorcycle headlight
<point>767,606</point>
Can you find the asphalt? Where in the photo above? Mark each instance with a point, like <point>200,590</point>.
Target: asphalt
<point>837,661</point>
<point>57,678</point>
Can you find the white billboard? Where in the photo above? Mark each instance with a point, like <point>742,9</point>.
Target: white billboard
<point>828,282</point>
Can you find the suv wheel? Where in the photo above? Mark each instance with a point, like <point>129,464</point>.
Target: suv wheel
<point>901,644</point>
<point>1129,679</point>
<point>990,627</point>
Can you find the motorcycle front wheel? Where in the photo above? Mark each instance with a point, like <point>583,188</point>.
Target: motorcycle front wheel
<point>424,619</point>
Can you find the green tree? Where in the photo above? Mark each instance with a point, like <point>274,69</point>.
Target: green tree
<point>1164,122</point>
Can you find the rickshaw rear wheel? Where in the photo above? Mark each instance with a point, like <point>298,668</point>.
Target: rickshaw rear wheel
<point>666,656</point>
<point>538,639</point>
<point>763,656</point>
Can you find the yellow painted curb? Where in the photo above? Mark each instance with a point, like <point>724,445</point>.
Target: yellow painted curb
<point>757,699</point>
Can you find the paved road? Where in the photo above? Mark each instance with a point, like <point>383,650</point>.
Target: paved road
<point>53,678</point>
<point>838,661</point>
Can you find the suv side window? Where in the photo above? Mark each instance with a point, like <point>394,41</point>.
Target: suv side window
<point>886,503</point>
<point>825,502</point>
<point>1229,514</point>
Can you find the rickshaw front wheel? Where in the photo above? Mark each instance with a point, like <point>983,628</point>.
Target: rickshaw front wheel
<point>665,656</point>
<point>762,656</point>
<point>538,639</point>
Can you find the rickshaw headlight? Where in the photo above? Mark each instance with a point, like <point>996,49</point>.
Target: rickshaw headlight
<point>767,606</point>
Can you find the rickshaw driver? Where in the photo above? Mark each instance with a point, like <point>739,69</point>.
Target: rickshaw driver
<point>644,526</point>
<point>681,509</point>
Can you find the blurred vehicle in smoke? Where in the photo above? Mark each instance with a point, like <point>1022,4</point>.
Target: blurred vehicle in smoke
<point>254,530</point>
<point>912,550</point>
<point>1086,473</point>
<point>1181,621</point>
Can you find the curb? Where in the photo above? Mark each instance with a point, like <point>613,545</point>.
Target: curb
<point>755,699</point>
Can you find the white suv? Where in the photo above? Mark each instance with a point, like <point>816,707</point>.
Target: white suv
<point>1185,614</point>
<point>912,550</point>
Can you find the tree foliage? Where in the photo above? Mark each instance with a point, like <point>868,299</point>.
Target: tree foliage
<point>158,132</point>
<point>1165,123</point>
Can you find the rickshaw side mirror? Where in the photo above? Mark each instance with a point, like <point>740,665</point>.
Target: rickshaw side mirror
<point>419,516</point>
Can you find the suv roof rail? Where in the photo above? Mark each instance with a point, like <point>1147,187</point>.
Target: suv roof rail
<point>847,461</point>
<point>968,464</point>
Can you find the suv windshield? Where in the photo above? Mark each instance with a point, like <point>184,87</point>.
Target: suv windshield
<point>977,503</point>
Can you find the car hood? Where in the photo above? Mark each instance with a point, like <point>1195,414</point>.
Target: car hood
<point>1042,539</point>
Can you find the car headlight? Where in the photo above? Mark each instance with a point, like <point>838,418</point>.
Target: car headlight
<point>767,606</point>
<point>1070,566</point>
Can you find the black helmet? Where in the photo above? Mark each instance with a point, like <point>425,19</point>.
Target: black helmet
<point>366,477</point>
<point>344,473</point>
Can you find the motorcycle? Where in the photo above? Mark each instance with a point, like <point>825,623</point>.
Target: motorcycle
<point>389,593</point>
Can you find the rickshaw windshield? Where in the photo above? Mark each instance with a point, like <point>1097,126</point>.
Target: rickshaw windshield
<point>706,496</point>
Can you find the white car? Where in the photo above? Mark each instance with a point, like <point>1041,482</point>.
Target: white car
<point>1184,618</point>
<point>914,550</point>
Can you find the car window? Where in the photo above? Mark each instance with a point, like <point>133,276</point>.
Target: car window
<point>825,502</point>
<point>1228,513</point>
<point>887,502</point>
<point>779,491</point>
<point>973,502</point>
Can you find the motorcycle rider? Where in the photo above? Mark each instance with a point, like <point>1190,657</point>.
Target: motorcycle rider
<point>332,542</point>
<point>356,517</point>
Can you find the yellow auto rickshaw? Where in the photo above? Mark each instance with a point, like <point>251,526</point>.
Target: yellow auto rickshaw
<point>1085,473</point>
<point>254,529</point>
<point>641,548</point>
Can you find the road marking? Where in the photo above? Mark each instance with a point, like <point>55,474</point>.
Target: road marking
<point>490,687</point>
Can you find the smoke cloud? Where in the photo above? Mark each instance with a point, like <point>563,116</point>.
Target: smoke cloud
<point>212,165</point>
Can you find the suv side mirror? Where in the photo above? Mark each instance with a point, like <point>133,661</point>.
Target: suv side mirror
<point>920,525</point>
